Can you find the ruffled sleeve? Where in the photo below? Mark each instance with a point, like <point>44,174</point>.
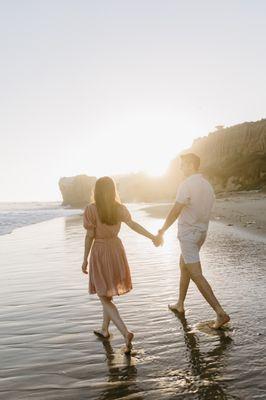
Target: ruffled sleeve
<point>89,221</point>
<point>125,214</point>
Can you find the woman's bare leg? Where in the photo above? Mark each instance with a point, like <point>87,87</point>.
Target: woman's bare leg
<point>104,332</point>
<point>106,321</point>
<point>113,314</point>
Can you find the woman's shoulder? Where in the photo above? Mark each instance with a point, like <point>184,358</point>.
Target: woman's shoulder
<point>91,208</point>
<point>90,205</point>
<point>124,213</point>
<point>121,208</point>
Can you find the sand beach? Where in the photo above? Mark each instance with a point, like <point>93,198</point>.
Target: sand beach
<point>241,209</point>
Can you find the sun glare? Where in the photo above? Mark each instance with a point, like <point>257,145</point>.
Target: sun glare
<point>158,169</point>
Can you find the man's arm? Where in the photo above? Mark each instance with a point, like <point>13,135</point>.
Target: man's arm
<point>171,217</point>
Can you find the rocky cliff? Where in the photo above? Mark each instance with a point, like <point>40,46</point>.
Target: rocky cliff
<point>234,158</point>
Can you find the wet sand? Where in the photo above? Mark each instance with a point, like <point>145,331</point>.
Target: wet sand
<point>48,350</point>
<point>243,209</point>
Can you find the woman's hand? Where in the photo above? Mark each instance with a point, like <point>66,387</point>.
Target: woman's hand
<point>158,240</point>
<point>84,267</point>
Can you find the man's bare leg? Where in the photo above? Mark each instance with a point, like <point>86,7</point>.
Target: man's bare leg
<point>183,287</point>
<point>204,287</point>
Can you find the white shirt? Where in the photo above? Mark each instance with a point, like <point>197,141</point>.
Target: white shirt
<point>197,194</point>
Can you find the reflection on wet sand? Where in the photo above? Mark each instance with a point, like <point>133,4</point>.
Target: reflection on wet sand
<point>202,378</point>
<point>122,374</point>
<point>206,367</point>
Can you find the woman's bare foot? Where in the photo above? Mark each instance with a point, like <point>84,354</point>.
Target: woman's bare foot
<point>220,321</point>
<point>102,334</point>
<point>128,340</point>
<point>176,307</point>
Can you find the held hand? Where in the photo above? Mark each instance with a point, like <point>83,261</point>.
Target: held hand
<point>158,240</point>
<point>84,267</point>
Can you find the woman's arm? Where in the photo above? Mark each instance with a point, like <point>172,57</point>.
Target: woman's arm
<point>139,229</point>
<point>88,243</point>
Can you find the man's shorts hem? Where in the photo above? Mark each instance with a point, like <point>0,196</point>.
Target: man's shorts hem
<point>190,244</point>
<point>190,260</point>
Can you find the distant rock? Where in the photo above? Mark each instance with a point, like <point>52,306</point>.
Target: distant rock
<point>76,190</point>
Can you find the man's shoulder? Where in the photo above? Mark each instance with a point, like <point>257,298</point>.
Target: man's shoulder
<point>207,183</point>
<point>185,181</point>
<point>200,182</point>
<point>202,178</point>
<point>194,181</point>
<point>188,183</point>
<point>205,180</point>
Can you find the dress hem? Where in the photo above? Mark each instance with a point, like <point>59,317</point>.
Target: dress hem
<point>111,295</point>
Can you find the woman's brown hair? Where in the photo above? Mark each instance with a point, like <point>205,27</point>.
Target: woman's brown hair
<point>107,200</point>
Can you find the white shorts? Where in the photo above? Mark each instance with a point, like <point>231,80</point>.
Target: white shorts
<point>190,243</point>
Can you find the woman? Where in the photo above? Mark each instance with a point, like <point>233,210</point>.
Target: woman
<point>109,273</point>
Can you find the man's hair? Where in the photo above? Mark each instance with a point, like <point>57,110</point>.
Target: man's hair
<point>191,158</point>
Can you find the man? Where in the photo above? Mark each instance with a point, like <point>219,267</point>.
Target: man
<point>194,201</point>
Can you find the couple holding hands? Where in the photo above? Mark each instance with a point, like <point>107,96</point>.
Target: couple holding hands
<point>109,273</point>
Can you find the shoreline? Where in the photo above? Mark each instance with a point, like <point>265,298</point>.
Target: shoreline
<point>245,210</point>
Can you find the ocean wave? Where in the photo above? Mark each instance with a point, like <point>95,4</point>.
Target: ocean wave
<point>18,214</point>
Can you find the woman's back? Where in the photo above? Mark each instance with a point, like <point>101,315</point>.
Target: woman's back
<point>99,230</point>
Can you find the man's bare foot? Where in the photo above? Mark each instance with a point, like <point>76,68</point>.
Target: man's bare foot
<point>129,339</point>
<point>102,334</point>
<point>176,307</point>
<point>220,321</point>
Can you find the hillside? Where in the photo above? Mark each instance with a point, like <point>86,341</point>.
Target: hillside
<point>234,158</point>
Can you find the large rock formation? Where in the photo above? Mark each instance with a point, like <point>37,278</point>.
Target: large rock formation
<point>234,158</point>
<point>76,190</point>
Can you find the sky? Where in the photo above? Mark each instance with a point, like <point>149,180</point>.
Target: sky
<point>118,86</point>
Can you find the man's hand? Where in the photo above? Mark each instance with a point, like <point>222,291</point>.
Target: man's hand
<point>158,240</point>
<point>84,267</point>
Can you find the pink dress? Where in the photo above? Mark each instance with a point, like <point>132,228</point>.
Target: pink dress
<point>109,273</point>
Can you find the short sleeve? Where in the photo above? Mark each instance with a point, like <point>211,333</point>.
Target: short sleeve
<point>126,216</point>
<point>89,221</point>
<point>182,195</point>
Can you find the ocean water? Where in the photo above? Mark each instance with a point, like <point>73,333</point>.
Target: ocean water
<point>47,347</point>
<point>18,214</point>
